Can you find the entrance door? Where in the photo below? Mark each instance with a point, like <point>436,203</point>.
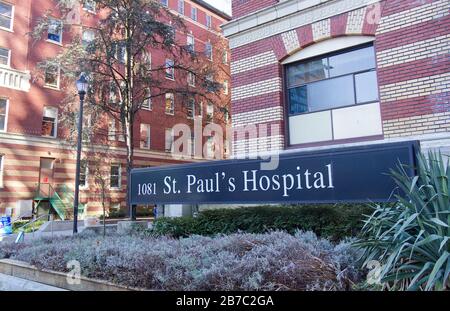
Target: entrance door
<point>46,176</point>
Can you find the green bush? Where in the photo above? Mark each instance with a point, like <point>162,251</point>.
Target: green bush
<point>331,221</point>
<point>409,241</point>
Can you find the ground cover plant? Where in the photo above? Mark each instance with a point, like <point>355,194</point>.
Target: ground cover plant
<point>271,261</point>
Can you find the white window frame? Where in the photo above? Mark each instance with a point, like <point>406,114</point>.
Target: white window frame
<point>171,140</point>
<point>191,45</point>
<point>191,79</point>
<point>147,103</point>
<point>148,140</point>
<point>181,7</point>
<point>119,179</point>
<point>170,70</point>
<point>55,122</point>
<point>11,29</point>
<point>191,106</point>
<point>6,115</point>
<point>172,96</point>
<point>226,87</point>
<point>58,80</point>
<point>60,34</point>
<point>210,112</point>
<point>112,129</point>
<point>209,48</point>
<point>2,164</point>
<point>194,9</point>
<point>90,10</point>
<point>8,64</point>
<point>86,174</point>
<point>208,21</point>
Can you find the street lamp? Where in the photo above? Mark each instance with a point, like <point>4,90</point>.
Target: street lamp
<point>82,86</point>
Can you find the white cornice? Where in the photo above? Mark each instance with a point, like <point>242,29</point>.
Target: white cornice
<point>285,16</point>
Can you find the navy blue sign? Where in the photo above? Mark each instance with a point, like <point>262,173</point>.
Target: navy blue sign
<point>356,174</point>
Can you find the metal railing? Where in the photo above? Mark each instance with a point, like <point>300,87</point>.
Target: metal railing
<point>21,236</point>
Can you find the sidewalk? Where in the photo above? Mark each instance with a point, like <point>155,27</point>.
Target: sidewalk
<point>11,283</point>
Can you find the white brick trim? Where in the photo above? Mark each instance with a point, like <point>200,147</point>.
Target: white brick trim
<point>413,16</point>
<point>258,116</point>
<point>290,40</point>
<point>253,62</point>
<point>321,30</point>
<point>414,88</point>
<point>355,21</point>
<point>256,89</point>
<point>414,51</point>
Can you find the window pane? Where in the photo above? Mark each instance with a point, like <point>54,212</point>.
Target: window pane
<point>5,15</point>
<point>2,106</point>
<point>298,100</point>
<point>2,122</point>
<point>353,61</point>
<point>4,56</point>
<point>366,87</point>
<point>307,72</point>
<point>331,93</point>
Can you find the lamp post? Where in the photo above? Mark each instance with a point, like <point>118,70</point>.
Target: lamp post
<point>82,86</point>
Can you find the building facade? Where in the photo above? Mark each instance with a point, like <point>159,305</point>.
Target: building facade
<point>33,154</point>
<point>319,74</point>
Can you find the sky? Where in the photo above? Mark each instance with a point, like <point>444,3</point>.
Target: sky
<point>223,5</point>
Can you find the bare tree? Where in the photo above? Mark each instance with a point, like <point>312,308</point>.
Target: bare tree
<point>116,55</point>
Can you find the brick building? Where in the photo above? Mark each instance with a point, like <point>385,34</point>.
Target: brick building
<point>32,151</point>
<point>322,74</point>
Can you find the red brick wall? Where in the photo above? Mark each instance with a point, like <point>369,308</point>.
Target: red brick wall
<point>245,7</point>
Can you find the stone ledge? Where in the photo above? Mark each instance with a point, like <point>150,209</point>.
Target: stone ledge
<point>26,271</point>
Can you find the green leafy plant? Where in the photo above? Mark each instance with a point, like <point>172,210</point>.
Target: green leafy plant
<point>410,239</point>
<point>332,221</point>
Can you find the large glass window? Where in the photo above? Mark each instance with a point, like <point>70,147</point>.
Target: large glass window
<point>331,81</point>
<point>6,15</point>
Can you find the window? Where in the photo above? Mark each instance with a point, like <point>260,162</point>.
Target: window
<point>170,70</point>
<point>225,57</point>
<point>210,147</point>
<point>170,103</point>
<point>169,140</point>
<point>191,43</point>
<point>6,16</point>
<point>2,160</point>
<point>112,92</point>
<point>208,51</point>
<point>3,114</point>
<point>337,80</point>
<point>191,109</point>
<point>191,79</point>
<point>112,129</point>
<point>165,2</point>
<point>115,176</point>
<point>194,13</point>
<point>5,57</point>
<point>84,173</point>
<point>50,122</point>
<point>120,52</point>
<point>54,33</point>
<point>200,110</point>
<point>52,77</point>
<point>145,136</point>
<point>147,103</point>
<point>225,87</point>
<point>209,112</point>
<point>89,5</point>
<point>181,7</point>
<point>121,133</point>
<point>87,38</point>
<point>208,21</point>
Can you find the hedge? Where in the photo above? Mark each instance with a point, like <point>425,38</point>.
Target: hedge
<point>331,221</point>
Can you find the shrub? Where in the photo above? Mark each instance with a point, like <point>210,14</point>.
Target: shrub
<point>272,261</point>
<point>334,222</point>
<point>411,238</point>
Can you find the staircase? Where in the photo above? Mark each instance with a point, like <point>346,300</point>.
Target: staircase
<point>60,198</point>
